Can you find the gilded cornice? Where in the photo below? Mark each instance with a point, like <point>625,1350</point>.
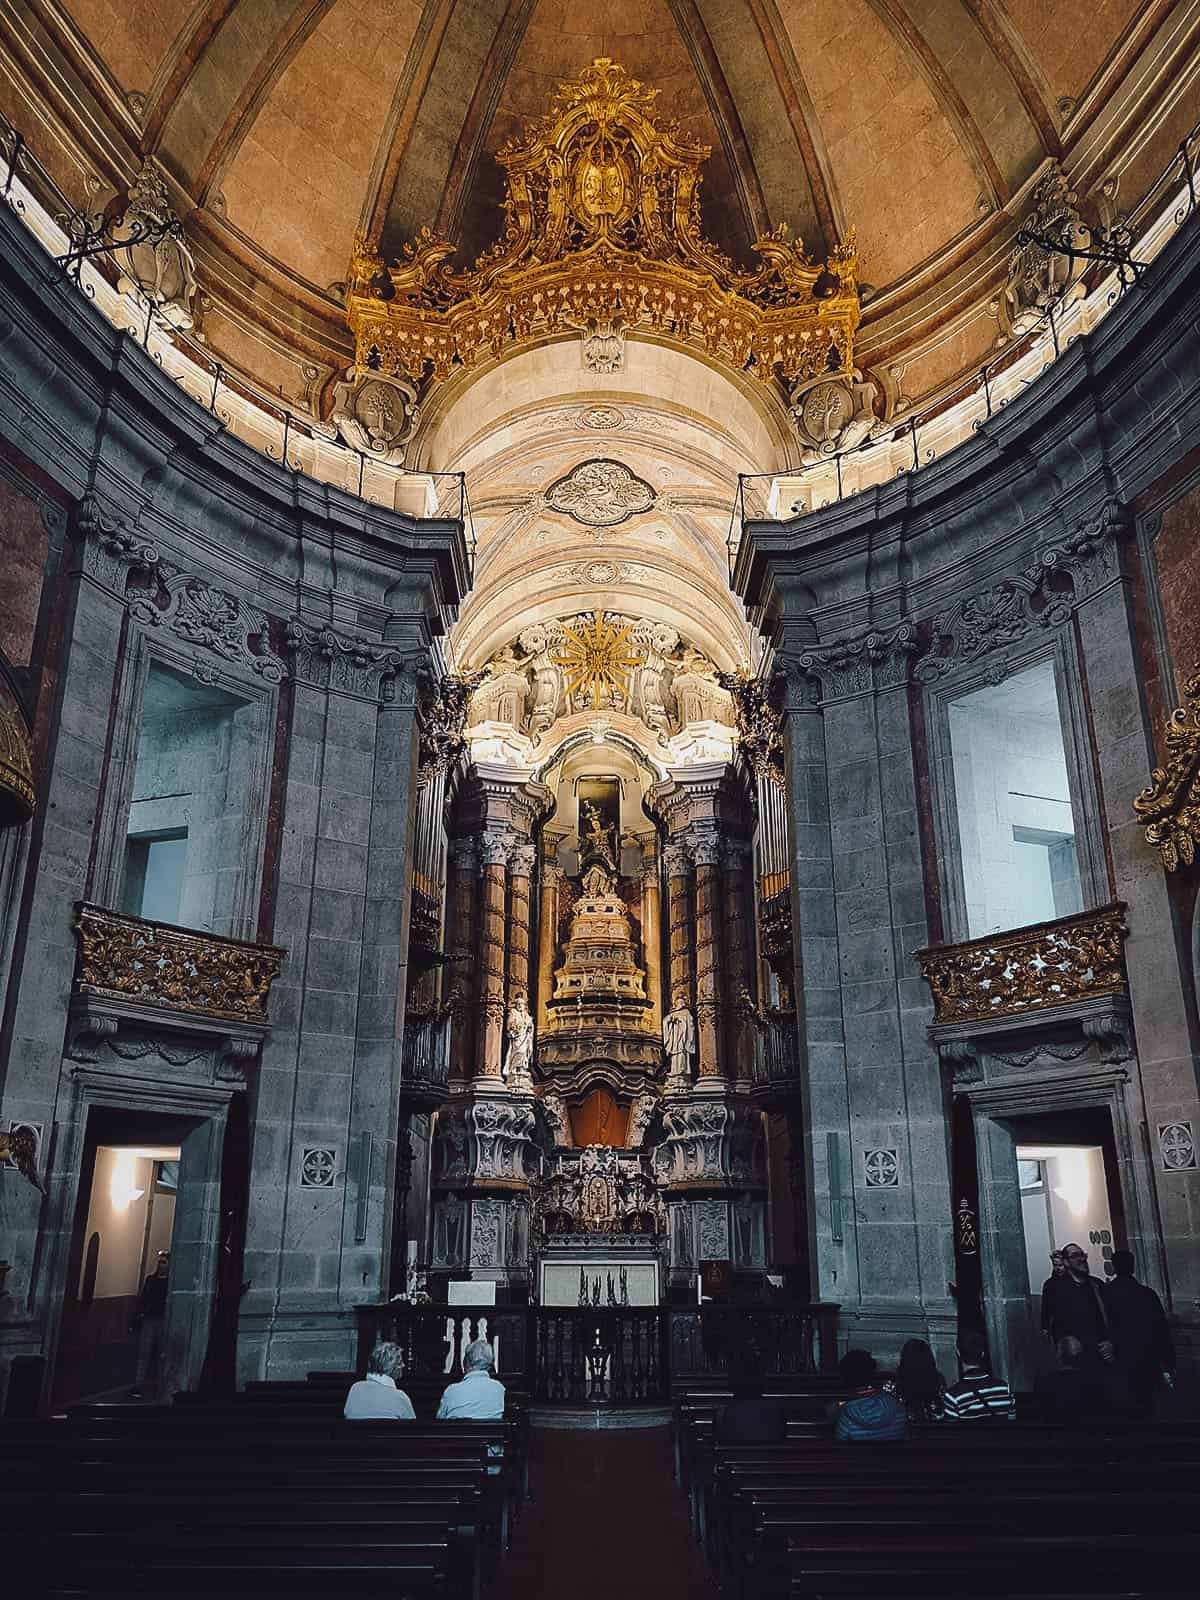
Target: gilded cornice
<point>603,235</point>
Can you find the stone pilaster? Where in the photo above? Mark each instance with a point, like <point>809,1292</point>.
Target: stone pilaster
<point>738,952</point>
<point>462,933</point>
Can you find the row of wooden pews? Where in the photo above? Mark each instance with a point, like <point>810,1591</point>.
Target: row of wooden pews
<point>271,1492</point>
<point>1004,1509</point>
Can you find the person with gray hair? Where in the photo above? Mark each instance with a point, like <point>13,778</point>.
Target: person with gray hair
<point>376,1398</point>
<point>477,1397</point>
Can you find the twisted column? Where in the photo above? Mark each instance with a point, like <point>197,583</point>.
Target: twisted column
<point>520,887</point>
<point>679,923</point>
<point>706,853</point>
<point>739,960</point>
<point>461,934</point>
<point>652,932</point>
<point>490,1040</point>
<point>552,876</point>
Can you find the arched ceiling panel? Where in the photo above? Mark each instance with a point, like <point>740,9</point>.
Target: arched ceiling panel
<point>906,181</point>
<point>132,37</point>
<point>298,176</point>
<point>1071,38</point>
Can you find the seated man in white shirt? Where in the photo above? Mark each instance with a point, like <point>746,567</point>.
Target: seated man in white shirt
<point>376,1398</point>
<point>478,1397</point>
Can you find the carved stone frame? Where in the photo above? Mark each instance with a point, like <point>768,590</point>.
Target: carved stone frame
<point>142,651</point>
<point>1011,1334</point>
<point>193,1277</point>
<point>1057,648</point>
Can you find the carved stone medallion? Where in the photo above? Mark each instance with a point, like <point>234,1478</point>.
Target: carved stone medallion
<point>600,494</point>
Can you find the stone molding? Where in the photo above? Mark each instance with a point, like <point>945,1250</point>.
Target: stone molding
<point>342,663</point>
<point>862,663</point>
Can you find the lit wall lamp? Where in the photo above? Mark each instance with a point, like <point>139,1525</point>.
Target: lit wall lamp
<point>122,1189</point>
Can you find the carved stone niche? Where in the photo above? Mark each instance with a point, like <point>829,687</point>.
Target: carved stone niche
<point>832,414</point>
<point>986,1051</point>
<point>375,414</point>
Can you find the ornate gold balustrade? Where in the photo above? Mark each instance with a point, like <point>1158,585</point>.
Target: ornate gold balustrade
<point>152,963</point>
<point>1028,970</point>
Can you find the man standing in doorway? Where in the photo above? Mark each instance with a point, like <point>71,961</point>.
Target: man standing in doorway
<point>1138,1325</point>
<point>149,1321</point>
<point>1079,1311</point>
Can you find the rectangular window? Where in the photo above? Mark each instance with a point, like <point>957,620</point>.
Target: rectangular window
<point>1016,827</point>
<point>187,816</point>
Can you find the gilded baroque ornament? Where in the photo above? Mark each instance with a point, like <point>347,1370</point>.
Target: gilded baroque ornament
<point>600,494</point>
<point>128,958</point>
<point>602,235</point>
<point>18,797</point>
<point>1009,974</point>
<point>597,660</point>
<point>1169,810</point>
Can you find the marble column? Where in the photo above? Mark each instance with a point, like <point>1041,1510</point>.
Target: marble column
<point>461,935</point>
<point>679,923</point>
<point>552,877</point>
<point>706,853</point>
<point>739,962</point>
<point>652,931</point>
<point>520,887</point>
<point>490,1038</point>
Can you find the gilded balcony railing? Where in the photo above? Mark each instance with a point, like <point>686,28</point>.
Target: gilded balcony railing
<point>1028,969</point>
<point>126,958</point>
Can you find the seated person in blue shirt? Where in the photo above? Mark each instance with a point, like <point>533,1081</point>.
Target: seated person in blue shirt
<point>477,1397</point>
<point>376,1398</point>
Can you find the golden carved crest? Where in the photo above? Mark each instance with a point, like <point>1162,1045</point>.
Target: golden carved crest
<point>603,228</point>
<point>1169,810</point>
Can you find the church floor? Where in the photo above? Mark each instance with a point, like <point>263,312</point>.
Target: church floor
<point>607,1522</point>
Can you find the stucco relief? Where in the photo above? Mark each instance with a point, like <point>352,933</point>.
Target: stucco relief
<point>600,494</point>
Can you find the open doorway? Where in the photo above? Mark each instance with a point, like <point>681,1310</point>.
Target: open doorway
<point>135,1190</point>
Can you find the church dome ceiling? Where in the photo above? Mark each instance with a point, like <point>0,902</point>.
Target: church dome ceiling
<point>286,126</point>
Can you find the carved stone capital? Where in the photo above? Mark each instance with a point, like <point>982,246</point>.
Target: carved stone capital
<point>111,550</point>
<point>521,860</point>
<point>346,664</point>
<point>705,847</point>
<point>677,860</point>
<point>494,849</point>
<point>864,663</point>
<point>485,1140</point>
<point>464,855</point>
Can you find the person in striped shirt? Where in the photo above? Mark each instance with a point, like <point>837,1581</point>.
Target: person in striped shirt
<point>977,1396</point>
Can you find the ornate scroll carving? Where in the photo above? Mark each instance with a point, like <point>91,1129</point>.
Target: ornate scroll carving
<point>1038,277</point>
<point>150,249</point>
<point>1169,810</point>
<point>376,415</point>
<point>600,494</point>
<point>443,718</point>
<point>759,723</point>
<point>347,664</point>
<point>110,549</point>
<point>603,235</point>
<point>127,958</point>
<point>1010,974</point>
<point>203,615</point>
<point>18,797</point>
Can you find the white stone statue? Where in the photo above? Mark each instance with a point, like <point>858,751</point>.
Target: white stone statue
<point>640,1115</point>
<point>547,680</point>
<point>679,1037</point>
<point>520,1043</point>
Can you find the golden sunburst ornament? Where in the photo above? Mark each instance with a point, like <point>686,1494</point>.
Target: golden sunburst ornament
<point>597,656</point>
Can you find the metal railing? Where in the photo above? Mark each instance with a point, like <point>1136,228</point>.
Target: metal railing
<point>906,444</point>
<point>83,252</point>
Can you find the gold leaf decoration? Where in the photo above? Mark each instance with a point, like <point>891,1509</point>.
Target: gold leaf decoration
<point>18,796</point>
<point>603,230</point>
<point>1028,969</point>
<point>597,659</point>
<point>1169,810</point>
<point>122,957</point>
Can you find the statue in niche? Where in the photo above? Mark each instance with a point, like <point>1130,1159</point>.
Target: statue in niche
<point>639,1120</point>
<point>679,1038</point>
<point>598,882</point>
<point>598,838</point>
<point>556,1116</point>
<point>520,1044</point>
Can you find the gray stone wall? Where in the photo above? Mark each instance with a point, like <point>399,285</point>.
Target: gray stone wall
<point>1015,547</point>
<point>314,611</point>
